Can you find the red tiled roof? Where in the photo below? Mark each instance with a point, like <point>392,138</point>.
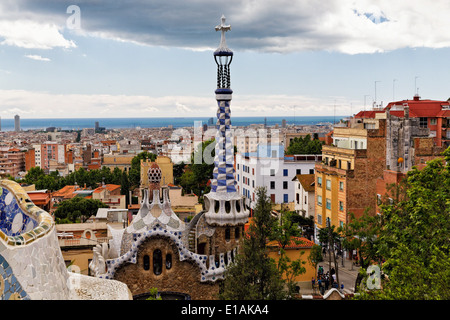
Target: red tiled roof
<point>420,108</point>
<point>417,108</point>
<point>295,243</point>
<point>109,187</point>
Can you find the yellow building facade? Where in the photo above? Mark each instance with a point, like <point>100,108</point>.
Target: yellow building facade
<point>345,179</point>
<point>166,166</point>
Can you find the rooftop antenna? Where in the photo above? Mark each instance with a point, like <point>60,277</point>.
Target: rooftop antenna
<point>393,89</point>
<point>375,101</point>
<point>416,92</point>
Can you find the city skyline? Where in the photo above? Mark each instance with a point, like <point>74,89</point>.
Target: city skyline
<point>154,59</point>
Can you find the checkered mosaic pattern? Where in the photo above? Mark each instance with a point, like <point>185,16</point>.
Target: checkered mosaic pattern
<point>223,174</point>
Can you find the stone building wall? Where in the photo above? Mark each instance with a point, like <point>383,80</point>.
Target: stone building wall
<point>183,276</point>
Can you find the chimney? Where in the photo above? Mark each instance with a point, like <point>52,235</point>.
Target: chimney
<point>416,97</point>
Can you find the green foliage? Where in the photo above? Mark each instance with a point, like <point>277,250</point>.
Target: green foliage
<point>154,294</point>
<point>197,174</point>
<point>305,145</point>
<point>315,256</point>
<point>253,275</point>
<point>77,209</point>
<point>413,237</point>
<point>135,170</point>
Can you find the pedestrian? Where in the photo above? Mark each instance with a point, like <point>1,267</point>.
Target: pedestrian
<point>334,278</point>
<point>313,282</point>
<point>327,281</point>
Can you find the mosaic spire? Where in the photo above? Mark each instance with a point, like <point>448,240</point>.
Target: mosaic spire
<point>223,174</point>
<point>224,205</point>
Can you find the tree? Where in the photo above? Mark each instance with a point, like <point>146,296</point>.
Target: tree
<point>361,234</point>
<point>135,170</point>
<point>413,238</point>
<point>329,237</point>
<point>300,145</point>
<point>77,209</point>
<point>315,256</point>
<point>286,232</point>
<point>197,174</point>
<point>253,275</point>
<point>178,170</point>
<point>125,187</point>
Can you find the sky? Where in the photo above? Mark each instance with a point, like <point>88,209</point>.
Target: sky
<point>154,58</point>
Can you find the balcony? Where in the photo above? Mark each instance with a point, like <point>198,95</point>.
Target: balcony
<point>81,242</point>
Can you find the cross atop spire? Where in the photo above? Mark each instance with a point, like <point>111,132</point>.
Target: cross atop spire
<point>223,28</point>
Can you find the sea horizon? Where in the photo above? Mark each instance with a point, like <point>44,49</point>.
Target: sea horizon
<point>175,122</point>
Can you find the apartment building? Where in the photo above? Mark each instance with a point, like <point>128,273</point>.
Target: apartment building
<point>12,162</point>
<point>304,185</point>
<point>269,167</point>
<point>433,115</point>
<point>346,177</point>
<point>48,156</point>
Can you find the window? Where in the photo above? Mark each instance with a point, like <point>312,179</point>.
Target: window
<point>157,262</point>
<point>286,198</point>
<point>297,196</point>
<point>341,206</point>
<point>168,261</point>
<point>319,219</point>
<point>274,153</point>
<point>328,184</point>
<point>311,171</point>
<point>433,122</point>
<point>341,185</point>
<point>146,262</point>
<point>285,172</point>
<point>319,182</point>
<point>272,198</point>
<point>227,234</point>
<point>298,171</point>
<point>237,233</point>
<point>378,199</point>
<point>423,122</point>
<point>319,200</point>
<point>328,203</point>
<point>306,200</point>
<point>272,172</point>
<point>285,184</point>
<point>272,184</point>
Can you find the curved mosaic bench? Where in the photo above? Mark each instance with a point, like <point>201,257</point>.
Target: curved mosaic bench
<point>31,261</point>
<point>21,221</point>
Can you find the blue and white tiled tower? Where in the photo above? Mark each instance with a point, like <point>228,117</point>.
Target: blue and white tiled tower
<point>224,204</point>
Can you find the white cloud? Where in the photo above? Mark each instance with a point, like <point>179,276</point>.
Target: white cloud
<point>31,34</point>
<point>47,105</point>
<point>36,57</point>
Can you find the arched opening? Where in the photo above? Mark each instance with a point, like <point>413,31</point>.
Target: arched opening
<point>237,233</point>
<point>201,248</point>
<point>227,234</point>
<point>157,262</point>
<point>238,206</point>
<point>227,207</point>
<point>168,261</point>
<point>146,262</point>
<point>216,206</point>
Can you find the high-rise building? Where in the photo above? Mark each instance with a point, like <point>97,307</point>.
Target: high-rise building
<point>16,123</point>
